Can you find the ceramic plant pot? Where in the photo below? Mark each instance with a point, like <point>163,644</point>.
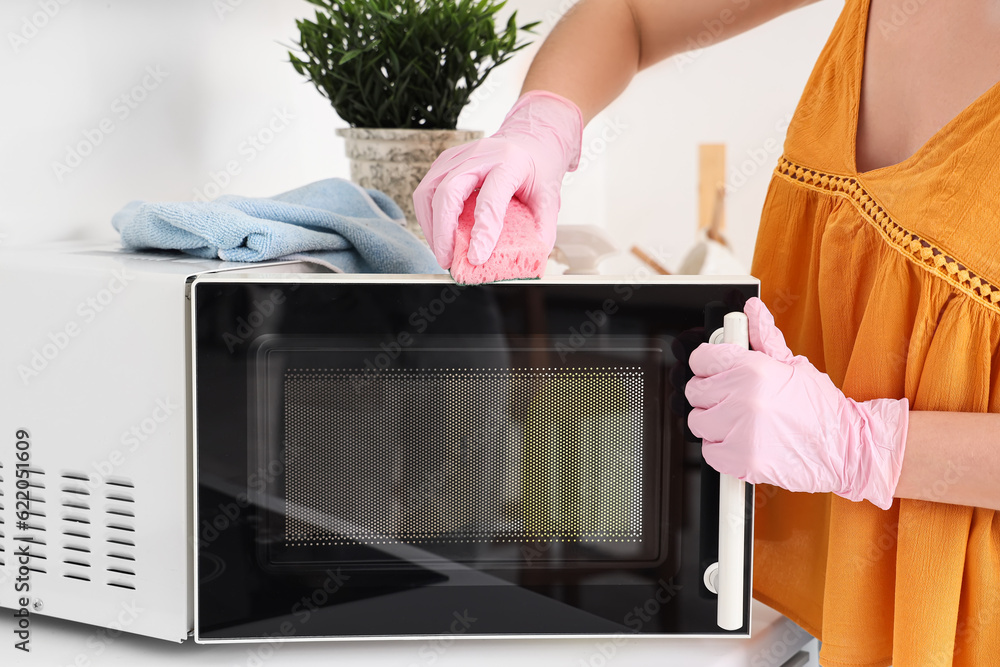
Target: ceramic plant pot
<point>395,160</point>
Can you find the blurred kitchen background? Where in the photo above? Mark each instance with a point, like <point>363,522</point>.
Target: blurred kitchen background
<point>175,99</point>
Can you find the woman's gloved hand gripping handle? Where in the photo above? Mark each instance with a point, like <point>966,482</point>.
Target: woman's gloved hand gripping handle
<point>767,416</point>
<point>538,142</point>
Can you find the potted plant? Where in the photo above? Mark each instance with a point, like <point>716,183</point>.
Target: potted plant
<point>400,72</point>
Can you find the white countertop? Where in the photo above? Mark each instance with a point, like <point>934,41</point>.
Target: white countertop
<point>57,643</point>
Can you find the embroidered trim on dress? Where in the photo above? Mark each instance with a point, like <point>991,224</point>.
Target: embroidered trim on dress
<point>909,244</point>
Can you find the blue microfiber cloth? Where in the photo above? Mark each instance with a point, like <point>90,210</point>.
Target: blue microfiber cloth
<point>334,222</point>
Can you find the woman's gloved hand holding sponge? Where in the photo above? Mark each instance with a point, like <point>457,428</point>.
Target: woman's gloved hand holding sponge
<point>537,144</point>
<point>767,416</point>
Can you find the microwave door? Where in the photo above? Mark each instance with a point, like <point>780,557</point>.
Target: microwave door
<point>509,447</point>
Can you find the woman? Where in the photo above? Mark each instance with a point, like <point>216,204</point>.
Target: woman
<point>879,235</point>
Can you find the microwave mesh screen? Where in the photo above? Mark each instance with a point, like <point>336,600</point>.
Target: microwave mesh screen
<point>463,455</point>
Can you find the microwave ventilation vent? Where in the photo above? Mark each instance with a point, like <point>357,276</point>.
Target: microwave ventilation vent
<point>119,503</point>
<point>79,527</point>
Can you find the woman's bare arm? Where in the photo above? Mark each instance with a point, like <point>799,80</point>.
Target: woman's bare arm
<point>596,49</point>
<point>952,457</point>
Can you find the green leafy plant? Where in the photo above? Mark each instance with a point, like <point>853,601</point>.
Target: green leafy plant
<point>403,63</point>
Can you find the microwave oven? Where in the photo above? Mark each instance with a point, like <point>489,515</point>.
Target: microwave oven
<point>267,453</point>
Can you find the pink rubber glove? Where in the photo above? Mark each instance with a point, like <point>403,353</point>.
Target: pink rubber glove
<point>768,417</point>
<point>536,145</point>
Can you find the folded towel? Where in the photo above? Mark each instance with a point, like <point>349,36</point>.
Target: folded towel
<point>520,252</point>
<point>335,222</point>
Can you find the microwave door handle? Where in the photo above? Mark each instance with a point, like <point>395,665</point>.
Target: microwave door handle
<point>732,510</point>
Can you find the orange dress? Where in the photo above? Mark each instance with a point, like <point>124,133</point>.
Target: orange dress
<point>889,281</point>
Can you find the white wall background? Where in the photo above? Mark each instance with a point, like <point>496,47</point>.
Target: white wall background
<point>69,71</point>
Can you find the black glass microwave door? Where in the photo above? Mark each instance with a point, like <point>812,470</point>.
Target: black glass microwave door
<point>462,450</point>
<point>512,462</point>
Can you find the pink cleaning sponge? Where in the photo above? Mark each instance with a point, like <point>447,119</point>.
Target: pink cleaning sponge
<point>520,251</point>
